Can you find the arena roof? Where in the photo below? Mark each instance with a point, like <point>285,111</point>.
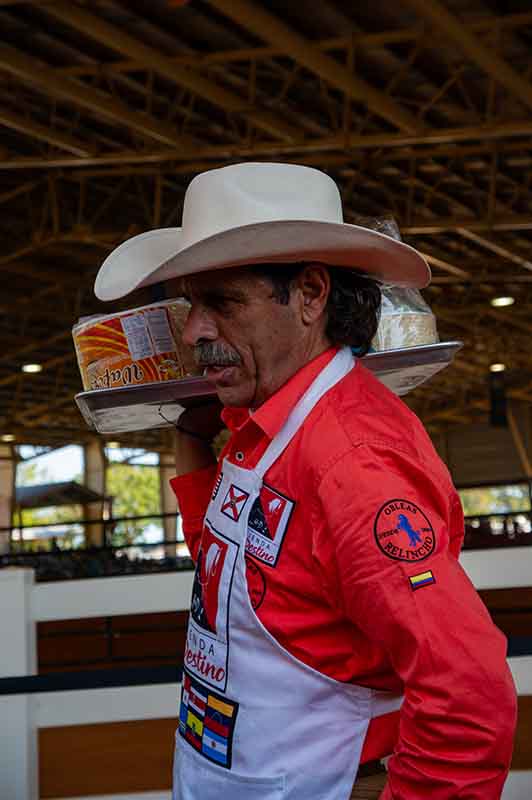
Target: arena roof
<point>65,493</point>
<point>421,109</point>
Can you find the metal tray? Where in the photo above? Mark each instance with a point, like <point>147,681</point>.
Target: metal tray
<point>158,405</point>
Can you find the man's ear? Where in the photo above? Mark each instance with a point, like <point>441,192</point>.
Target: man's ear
<point>314,284</point>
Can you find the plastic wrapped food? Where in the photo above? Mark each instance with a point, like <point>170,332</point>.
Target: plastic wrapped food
<point>405,321</point>
<point>141,345</point>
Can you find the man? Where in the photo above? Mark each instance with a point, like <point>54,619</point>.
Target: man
<point>332,623</point>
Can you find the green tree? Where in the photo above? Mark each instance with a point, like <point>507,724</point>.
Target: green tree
<point>30,474</point>
<point>495,499</point>
<point>136,492</point>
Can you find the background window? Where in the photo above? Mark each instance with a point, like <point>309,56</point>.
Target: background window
<point>495,499</point>
<point>133,481</point>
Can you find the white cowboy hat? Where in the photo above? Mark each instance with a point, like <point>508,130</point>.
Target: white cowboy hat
<point>258,213</point>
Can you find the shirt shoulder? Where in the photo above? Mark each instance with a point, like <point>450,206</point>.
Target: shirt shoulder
<point>360,410</point>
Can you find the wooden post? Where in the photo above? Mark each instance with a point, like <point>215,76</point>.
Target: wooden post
<point>94,479</point>
<point>519,441</point>
<point>7,494</point>
<point>168,502</point>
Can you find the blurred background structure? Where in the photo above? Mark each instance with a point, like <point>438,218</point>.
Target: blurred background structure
<point>419,109</point>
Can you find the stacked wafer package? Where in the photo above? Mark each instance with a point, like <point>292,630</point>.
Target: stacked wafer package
<point>138,346</point>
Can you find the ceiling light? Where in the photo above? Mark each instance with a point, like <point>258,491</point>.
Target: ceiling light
<point>8,437</point>
<point>32,368</point>
<point>499,302</point>
<point>497,367</point>
<point>113,445</point>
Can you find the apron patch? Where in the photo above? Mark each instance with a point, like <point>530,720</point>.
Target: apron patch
<point>207,721</point>
<point>256,583</point>
<point>267,524</point>
<point>234,502</point>
<point>207,645</point>
<point>403,532</point>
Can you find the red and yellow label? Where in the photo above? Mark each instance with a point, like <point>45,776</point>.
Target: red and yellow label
<point>138,346</point>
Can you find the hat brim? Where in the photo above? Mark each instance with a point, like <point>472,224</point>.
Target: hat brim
<point>282,241</point>
<point>131,264</point>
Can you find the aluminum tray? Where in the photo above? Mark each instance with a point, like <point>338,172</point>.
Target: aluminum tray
<point>158,405</point>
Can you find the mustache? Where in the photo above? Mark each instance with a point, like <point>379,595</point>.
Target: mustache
<point>215,354</point>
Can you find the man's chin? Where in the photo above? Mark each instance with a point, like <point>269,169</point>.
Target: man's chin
<point>235,396</point>
<point>232,385</point>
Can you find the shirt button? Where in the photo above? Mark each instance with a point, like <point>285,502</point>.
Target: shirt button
<point>239,455</point>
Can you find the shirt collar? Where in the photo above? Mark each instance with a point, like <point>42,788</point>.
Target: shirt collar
<point>272,414</point>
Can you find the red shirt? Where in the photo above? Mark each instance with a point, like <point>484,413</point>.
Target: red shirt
<point>367,587</point>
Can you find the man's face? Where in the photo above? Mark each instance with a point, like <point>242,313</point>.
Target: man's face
<point>249,343</point>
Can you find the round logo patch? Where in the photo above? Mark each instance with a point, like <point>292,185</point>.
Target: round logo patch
<point>256,583</point>
<point>403,532</point>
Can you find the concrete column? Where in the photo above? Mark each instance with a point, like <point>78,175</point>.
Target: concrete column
<point>518,414</point>
<point>94,463</point>
<point>18,732</point>
<point>7,493</point>
<point>168,501</point>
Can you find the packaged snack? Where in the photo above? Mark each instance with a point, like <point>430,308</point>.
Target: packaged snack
<point>405,321</point>
<point>141,345</point>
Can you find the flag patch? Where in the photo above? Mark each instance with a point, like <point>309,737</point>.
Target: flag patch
<point>234,502</point>
<point>207,721</point>
<point>423,579</point>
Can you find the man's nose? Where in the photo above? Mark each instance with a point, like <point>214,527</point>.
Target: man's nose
<point>199,325</point>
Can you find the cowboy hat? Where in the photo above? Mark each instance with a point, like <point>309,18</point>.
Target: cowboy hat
<point>258,213</point>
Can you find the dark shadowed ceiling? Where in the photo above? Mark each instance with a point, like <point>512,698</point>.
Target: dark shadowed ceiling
<point>419,108</point>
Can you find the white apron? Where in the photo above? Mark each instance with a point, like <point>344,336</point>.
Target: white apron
<point>256,723</point>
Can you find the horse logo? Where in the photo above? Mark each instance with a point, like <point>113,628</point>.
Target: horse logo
<point>403,531</point>
<point>404,525</point>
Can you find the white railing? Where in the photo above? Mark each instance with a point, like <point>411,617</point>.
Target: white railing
<point>106,597</point>
<point>500,568</point>
<point>24,603</point>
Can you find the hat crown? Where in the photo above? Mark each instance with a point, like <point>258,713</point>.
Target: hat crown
<point>257,213</point>
<point>246,194</point>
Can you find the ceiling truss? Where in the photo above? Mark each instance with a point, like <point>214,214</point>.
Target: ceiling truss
<point>116,106</point>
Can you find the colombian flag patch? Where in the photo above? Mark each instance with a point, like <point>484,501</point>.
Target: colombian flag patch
<point>423,579</point>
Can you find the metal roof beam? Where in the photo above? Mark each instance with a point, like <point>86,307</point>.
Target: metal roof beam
<point>512,222</point>
<point>475,279</point>
<point>45,134</point>
<point>368,41</point>
<point>269,28</point>
<point>446,266</point>
<point>36,271</point>
<point>44,78</point>
<point>495,247</point>
<point>339,159</point>
<point>482,55</point>
<point>354,142</point>
<point>16,191</point>
<point>116,39</point>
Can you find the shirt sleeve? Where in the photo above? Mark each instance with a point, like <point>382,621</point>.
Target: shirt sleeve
<point>193,491</point>
<point>390,542</point>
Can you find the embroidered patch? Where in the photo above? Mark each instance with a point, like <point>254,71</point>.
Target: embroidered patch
<point>423,579</point>
<point>217,486</point>
<point>403,532</point>
<point>256,583</point>
<point>207,645</point>
<point>207,721</point>
<point>267,524</point>
<point>234,502</point>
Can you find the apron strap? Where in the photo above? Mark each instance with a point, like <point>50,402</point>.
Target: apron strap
<point>336,369</point>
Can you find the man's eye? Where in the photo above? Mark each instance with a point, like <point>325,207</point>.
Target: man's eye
<point>219,302</point>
